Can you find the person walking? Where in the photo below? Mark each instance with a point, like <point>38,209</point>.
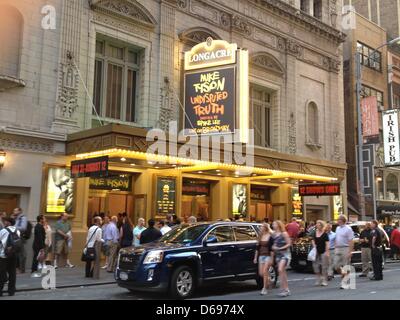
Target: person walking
<point>150,234</point>
<point>281,247</point>
<point>48,243</point>
<point>8,258</point>
<point>332,237</point>
<point>21,223</point>
<point>376,250</point>
<point>63,228</point>
<point>163,227</point>
<point>293,229</point>
<point>113,244</point>
<point>320,243</point>
<point>264,256</point>
<point>343,248</point>
<point>38,245</point>
<point>137,232</point>
<point>105,248</point>
<point>126,232</point>
<point>94,241</point>
<point>395,242</point>
<point>366,258</point>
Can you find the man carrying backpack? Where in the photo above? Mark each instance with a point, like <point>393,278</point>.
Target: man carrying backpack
<point>10,244</point>
<point>25,228</point>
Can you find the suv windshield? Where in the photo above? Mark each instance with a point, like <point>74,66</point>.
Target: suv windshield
<point>184,234</point>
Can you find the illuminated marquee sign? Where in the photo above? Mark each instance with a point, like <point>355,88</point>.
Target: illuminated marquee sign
<point>319,190</point>
<point>391,137</point>
<point>216,89</point>
<point>93,167</point>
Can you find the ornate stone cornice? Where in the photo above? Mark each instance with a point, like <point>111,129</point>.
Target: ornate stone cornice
<point>127,9</point>
<point>311,23</point>
<point>266,61</point>
<point>197,35</point>
<point>24,143</point>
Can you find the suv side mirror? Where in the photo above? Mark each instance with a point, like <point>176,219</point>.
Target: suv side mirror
<point>210,239</point>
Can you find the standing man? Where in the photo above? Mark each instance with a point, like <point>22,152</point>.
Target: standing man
<point>21,223</point>
<point>105,248</point>
<point>8,260</point>
<point>163,227</point>
<point>376,251</point>
<point>63,227</point>
<point>150,234</point>
<point>395,242</point>
<point>343,247</point>
<point>332,237</point>
<point>365,250</point>
<point>94,240</point>
<point>137,231</point>
<point>38,245</point>
<point>112,244</point>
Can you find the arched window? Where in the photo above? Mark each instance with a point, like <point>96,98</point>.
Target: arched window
<point>392,187</point>
<point>11,25</point>
<point>312,123</point>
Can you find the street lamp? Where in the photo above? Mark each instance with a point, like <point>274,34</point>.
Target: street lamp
<point>2,158</point>
<point>359,122</point>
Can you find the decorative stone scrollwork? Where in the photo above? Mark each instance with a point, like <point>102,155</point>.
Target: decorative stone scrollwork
<point>225,20</point>
<point>292,47</point>
<point>241,25</point>
<point>336,147</point>
<point>292,134</point>
<point>181,4</point>
<point>168,112</point>
<point>195,36</point>
<point>266,61</point>
<point>9,142</point>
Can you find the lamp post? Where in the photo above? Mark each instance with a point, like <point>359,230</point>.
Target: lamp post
<point>359,123</point>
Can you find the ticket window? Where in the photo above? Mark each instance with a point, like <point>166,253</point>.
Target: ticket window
<point>196,200</point>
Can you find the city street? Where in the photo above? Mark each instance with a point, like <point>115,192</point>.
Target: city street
<point>301,285</point>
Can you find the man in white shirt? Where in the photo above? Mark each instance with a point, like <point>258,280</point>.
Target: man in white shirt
<point>137,231</point>
<point>163,227</point>
<point>8,264</point>
<point>94,240</point>
<point>343,247</point>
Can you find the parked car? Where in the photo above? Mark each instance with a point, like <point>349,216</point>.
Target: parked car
<point>189,256</point>
<point>303,246</point>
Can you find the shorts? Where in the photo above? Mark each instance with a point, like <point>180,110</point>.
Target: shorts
<point>264,259</point>
<point>283,256</point>
<point>61,246</point>
<point>341,257</point>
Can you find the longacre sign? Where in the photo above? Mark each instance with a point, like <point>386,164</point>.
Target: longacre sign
<point>95,167</point>
<point>319,190</point>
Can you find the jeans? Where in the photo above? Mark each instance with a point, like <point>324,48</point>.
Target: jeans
<point>35,262</point>
<point>8,271</point>
<point>21,257</point>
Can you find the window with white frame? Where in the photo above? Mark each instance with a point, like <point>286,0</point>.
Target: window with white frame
<point>261,102</point>
<point>312,124</point>
<point>116,81</point>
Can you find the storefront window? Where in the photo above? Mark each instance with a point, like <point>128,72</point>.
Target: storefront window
<point>392,187</point>
<point>196,199</point>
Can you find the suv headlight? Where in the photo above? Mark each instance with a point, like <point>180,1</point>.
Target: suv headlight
<point>154,257</point>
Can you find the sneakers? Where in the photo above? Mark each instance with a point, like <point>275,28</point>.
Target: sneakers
<point>264,292</point>
<point>318,282</point>
<point>362,275</point>
<point>105,267</point>
<point>36,275</point>
<point>69,265</point>
<point>324,283</point>
<point>284,294</point>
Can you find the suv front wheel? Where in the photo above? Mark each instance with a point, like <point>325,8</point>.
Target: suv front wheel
<point>182,283</point>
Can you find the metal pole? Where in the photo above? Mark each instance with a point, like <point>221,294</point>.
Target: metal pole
<point>360,136</point>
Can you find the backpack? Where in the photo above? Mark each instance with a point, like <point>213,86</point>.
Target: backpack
<point>26,235</point>
<point>13,245</point>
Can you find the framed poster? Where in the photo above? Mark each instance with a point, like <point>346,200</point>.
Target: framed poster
<point>166,196</point>
<point>239,200</point>
<point>58,190</point>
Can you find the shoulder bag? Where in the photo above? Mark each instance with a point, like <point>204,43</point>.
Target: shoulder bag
<point>89,254</point>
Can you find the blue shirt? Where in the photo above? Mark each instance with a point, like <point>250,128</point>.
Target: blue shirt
<point>111,233</point>
<point>137,231</point>
<point>332,238</point>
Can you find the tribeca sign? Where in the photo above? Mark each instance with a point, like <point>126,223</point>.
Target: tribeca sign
<point>391,137</point>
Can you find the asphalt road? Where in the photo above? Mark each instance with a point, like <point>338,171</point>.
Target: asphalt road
<point>301,285</point>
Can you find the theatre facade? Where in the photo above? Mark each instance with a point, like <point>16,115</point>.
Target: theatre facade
<point>209,68</point>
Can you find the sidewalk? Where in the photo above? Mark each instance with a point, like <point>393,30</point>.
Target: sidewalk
<point>65,278</point>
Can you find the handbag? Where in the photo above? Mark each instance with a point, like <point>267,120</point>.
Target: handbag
<point>89,254</point>
<point>312,255</point>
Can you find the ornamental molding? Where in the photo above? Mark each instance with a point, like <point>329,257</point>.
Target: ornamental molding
<point>197,35</point>
<point>265,32</point>
<point>267,61</point>
<point>129,10</point>
<point>28,144</point>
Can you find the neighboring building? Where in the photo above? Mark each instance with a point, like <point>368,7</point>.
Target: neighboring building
<point>366,37</point>
<point>386,15</point>
<point>129,55</point>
